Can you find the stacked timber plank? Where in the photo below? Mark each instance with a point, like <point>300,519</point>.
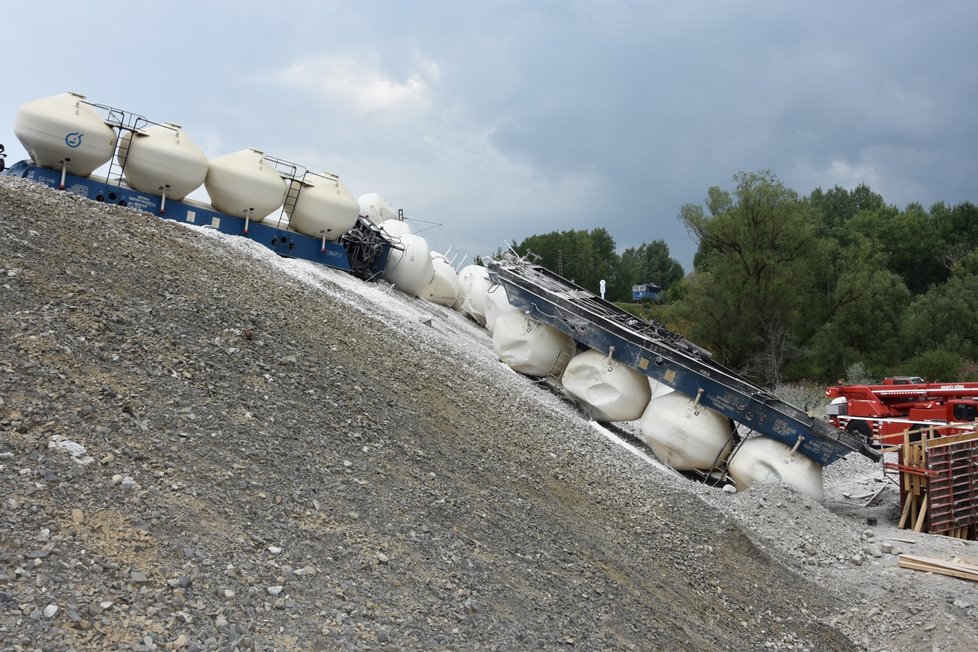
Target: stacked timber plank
<point>952,568</point>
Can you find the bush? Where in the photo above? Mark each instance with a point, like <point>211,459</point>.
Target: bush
<point>857,374</point>
<point>807,396</point>
<point>936,364</point>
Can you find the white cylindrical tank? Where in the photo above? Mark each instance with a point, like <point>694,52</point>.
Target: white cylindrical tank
<point>473,283</point>
<point>162,157</point>
<point>607,389</point>
<point>682,435</point>
<point>528,346</point>
<point>243,183</point>
<point>376,208</point>
<point>324,207</point>
<point>409,266</point>
<point>63,128</point>
<point>496,303</point>
<point>443,288</point>
<point>395,228</point>
<point>760,459</point>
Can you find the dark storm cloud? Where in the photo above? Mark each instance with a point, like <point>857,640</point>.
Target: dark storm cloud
<point>505,119</point>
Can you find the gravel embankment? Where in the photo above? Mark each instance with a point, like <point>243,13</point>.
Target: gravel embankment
<point>277,456</point>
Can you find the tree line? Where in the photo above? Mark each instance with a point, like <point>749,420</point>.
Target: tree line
<point>588,257</point>
<point>833,285</point>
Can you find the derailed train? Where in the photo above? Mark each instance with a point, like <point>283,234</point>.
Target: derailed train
<point>281,204</point>
<point>688,408</point>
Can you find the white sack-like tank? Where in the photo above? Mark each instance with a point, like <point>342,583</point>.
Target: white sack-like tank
<point>244,183</point>
<point>764,460</point>
<point>64,128</point>
<point>375,208</point>
<point>409,267</point>
<point>473,283</point>
<point>162,158</point>
<point>528,346</point>
<point>443,288</point>
<point>324,208</point>
<point>496,303</point>
<point>607,389</point>
<point>683,435</point>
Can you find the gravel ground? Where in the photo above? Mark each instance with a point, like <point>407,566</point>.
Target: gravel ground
<point>204,446</point>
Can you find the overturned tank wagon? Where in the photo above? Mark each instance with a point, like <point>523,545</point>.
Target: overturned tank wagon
<point>443,287</point>
<point>473,282</point>
<point>608,390</point>
<point>701,386</point>
<point>496,303</point>
<point>409,265</point>
<point>151,166</point>
<point>377,209</point>
<point>684,435</point>
<point>763,460</point>
<point>530,347</point>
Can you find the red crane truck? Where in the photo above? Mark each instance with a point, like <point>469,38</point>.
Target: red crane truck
<point>881,413</point>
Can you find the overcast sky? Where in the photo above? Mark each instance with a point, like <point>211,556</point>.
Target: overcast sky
<point>501,120</point>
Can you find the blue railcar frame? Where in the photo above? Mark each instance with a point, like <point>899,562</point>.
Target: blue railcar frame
<point>667,357</point>
<point>282,241</point>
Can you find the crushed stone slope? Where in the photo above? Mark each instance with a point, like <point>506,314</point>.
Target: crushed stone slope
<point>279,457</point>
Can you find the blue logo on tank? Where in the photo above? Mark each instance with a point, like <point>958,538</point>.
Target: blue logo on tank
<point>74,139</point>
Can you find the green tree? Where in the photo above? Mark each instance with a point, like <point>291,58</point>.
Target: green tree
<point>753,272</point>
<point>944,319</point>
<point>585,257</point>
<point>651,262</point>
<point>912,242</point>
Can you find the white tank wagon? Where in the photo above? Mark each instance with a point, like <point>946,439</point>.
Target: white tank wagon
<point>496,303</point>
<point>244,183</point>
<point>606,389</point>
<point>396,228</point>
<point>158,158</point>
<point>63,132</point>
<point>377,209</point>
<point>473,284</point>
<point>684,434</point>
<point>532,348</point>
<point>409,265</point>
<point>162,160</point>
<point>444,285</point>
<point>323,207</point>
<point>764,460</point>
